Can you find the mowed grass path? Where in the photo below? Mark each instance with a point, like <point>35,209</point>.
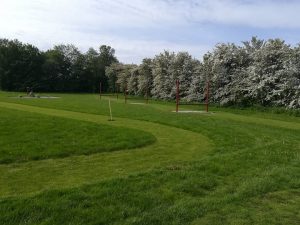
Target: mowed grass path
<point>204,169</point>
<point>171,144</point>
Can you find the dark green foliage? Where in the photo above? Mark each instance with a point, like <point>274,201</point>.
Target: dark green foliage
<point>61,69</point>
<point>20,66</point>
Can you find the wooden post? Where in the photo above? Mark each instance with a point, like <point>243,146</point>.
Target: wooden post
<point>177,95</point>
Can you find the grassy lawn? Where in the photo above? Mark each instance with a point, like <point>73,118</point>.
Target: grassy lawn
<point>233,167</point>
<point>26,136</point>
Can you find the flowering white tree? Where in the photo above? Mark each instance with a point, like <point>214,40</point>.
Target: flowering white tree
<point>145,79</point>
<point>227,63</point>
<point>124,75</point>
<point>268,71</point>
<point>133,81</point>
<point>161,75</point>
<point>197,87</point>
<point>292,83</point>
<point>183,69</point>
<point>257,72</point>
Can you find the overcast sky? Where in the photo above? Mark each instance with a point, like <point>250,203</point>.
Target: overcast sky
<point>144,28</point>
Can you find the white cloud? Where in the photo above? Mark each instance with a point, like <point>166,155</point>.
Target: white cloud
<point>262,14</point>
<point>135,13</point>
<point>89,23</point>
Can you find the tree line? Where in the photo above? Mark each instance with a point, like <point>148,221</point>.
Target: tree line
<point>256,72</point>
<point>60,69</point>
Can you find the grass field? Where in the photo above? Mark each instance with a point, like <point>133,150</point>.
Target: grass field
<point>233,167</point>
<point>36,137</point>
